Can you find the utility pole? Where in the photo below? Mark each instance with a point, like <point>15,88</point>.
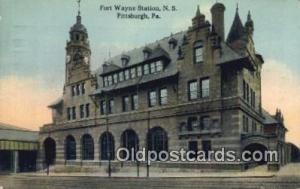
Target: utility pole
<point>107,130</point>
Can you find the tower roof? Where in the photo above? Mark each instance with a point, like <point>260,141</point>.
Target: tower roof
<point>237,29</point>
<point>218,6</point>
<point>78,26</point>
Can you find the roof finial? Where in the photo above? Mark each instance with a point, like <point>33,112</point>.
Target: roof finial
<point>249,16</point>
<point>237,7</point>
<point>78,2</point>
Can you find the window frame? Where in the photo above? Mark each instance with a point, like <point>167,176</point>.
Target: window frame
<point>161,102</point>
<point>125,103</point>
<point>150,98</point>
<point>204,90</point>
<point>192,92</point>
<point>198,45</point>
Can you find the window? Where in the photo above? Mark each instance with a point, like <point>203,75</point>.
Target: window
<point>139,71</point>
<point>157,140</point>
<point>192,90</point>
<point>87,110</point>
<point>73,91</point>
<point>125,103</point>
<point>73,112</point>
<point>152,98</point>
<point>245,124</point>
<point>152,67</point>
<point>204,122</point>
<point>77,89</point>
<point>254,126</point>
<point>205,88</point>
<point>126,74</point>
<point>81,111</point>
<point>206,147</point>
<point>252,98</point>
<point>192,123</point>
<point>87,146</point>
<point>159,66</point>
<point>70,148</point>
<point>133,72</point>
<point>69,114</point>
<point>134,102</point>
<point>105,81</point>
<point>163,96</point>
<point>107,146</point>
<point>115,78</point>
<point>110,82</point>
<point>247,90</point>
<point>121,76</point>
<point>111,104</point>
<point>146,55</point>
<point>244,89</point>
<point>82,88</point>
<point>146,69</point>
<point>102,107</point>
<point>198,52</point>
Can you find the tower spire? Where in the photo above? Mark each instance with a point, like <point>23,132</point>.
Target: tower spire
<point>78,3</point>
<point>198,11</point>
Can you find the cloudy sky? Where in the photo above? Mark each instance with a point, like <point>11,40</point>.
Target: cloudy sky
<point>33,36</point>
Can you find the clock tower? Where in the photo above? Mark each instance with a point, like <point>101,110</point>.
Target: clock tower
<point>78,53</point>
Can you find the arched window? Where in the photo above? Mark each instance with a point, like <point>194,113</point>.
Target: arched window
<point>87,146</point>
<point>70,148</point>
<point>107,146</point>
<point>198,52</point>
<point>130,141</point>
<point>157,140</point>
<point>50,151</point>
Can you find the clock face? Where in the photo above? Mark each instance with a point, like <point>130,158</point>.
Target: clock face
<point>86,60</point>
<point>68,58</point>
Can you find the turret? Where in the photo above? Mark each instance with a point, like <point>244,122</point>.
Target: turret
<point>217,13</point>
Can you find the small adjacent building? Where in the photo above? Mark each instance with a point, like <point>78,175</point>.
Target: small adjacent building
<point>18,149</point>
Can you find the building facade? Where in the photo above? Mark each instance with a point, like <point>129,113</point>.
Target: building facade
<point>195,90</point>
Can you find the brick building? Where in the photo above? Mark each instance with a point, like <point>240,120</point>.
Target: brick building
<point>195,90</point>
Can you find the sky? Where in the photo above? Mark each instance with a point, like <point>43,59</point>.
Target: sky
<point>33,35</point>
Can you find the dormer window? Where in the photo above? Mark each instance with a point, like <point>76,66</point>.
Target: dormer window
<point>147,52</point>
<point>198,52</point>
<point>125,60</point>
<point>172,43</point>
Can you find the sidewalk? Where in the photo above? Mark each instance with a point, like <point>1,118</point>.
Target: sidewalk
<point>260,171</point>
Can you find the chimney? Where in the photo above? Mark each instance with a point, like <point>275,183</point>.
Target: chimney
<point>217,12</point>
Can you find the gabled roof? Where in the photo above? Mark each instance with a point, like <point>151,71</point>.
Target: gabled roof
<point>237,29</point>
<point>269,119</point>
<point>56,102</point>
<point>15,133</point>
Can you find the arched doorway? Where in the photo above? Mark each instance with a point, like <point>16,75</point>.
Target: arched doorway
<point>130,141</point>
<point>107,145</point>
<point>50,151</point>
<point>87,147</point>
<point>70,148</point>
<point>256,147</point>
<point>157,140</point>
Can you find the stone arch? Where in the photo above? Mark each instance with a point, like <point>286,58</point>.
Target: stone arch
<point>107,146</point>
<point>87,147</point>
<point>130,140</point>
<point>70,148</point>
<point>157,139</point>
<point>49,150</point>
<point>252,147</point>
